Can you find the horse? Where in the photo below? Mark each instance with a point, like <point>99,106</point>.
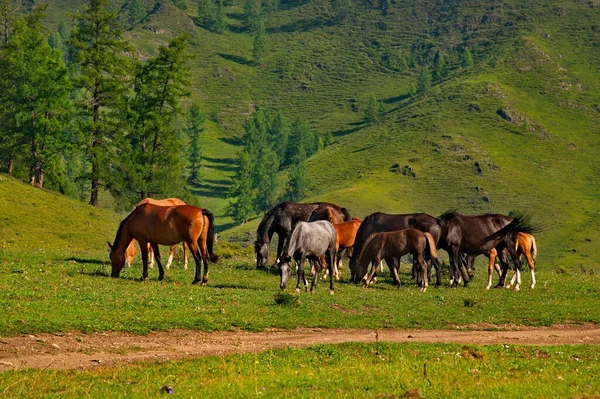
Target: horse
<point>329,213</point>
<point>476,235</point>
<point>131,252</point>
<point>309,240</point>
<point>281,219</point>
<point>379,222</point>
<point>165,225</point>
<point>395,244</point>
<point>345,235</point>
<point>525,245</point>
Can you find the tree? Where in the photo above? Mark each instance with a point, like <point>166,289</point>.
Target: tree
<point>241,208</point>
<point>439,66</point>
<point>252,14</point>
<point>220,24</point>
<point>266,172</point>
<point>206,12</point>
<point>135,12</point>
<point>374,109</point>
<point>8,11</point>
<point>182,4</point>
<point>37,94</point>
<point>424,81</point>
<point>195,121</point>
<point>259,46</point>
<point>160,84</point>
<point>296,188</point>
<point>343,9</point>
<point>102,71</point>
<point>466,58</point>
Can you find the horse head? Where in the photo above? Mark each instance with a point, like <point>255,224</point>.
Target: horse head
<point>284,271</point>
<point>262,253</point>
<point>117,261</point>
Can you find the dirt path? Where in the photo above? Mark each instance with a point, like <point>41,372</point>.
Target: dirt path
<point>85,351</point>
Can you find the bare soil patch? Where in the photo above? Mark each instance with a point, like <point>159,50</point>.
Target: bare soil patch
<point>86,351</point>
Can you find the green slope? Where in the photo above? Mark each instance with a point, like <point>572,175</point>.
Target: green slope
<point>537,62</point>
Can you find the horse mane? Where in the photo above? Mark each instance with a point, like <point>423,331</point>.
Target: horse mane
<point>448,215</point>
<point>346,214</point>
<point>264,226</point>
<point>364,248</point>
<point>121,225</point>
<point>521,223</point>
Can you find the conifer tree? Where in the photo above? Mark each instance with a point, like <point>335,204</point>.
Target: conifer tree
<point>259,46</point>
<point>424,81</point>
<point>296,188</point>
<point>466,58</point>
<point>206,13</point>
<point>102,69</point>
<point>374,109</point>
<point>220,23</point>
<point>35,99</point>
<point>135,11</point>
<point>242,206</point>
<point>195,128</point>
<point>439,66</point>
<point>8,14</point>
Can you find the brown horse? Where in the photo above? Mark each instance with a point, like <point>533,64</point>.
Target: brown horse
<point>329,213</point>
<point>166,225</point>
<point>396,244</point>
<point>346,233</point>
<point>131,252</point>
<point>524,245</point>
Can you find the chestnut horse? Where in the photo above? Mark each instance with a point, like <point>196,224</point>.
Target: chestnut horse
<point>525,245</point>
<point>395,244</point>
<point>329,213</point>
<point>165,225</point>
<point>131,252</point>
<point>345,235</point>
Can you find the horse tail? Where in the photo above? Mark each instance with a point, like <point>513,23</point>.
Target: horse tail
<point>533,247</point>
<point>521,223</point>
<point>210,239</point>
<point>430,246</point>
<point>346,214</point>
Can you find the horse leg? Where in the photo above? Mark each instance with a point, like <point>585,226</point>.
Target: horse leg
<point>171,255</point>
<point>423,267</point>
<point>150,256</point>
<point>161,271</point>
<point>185,260</point>
<point>280,242</point>
<point>195,251</point>
<point>144,250</point>
<point>301,274</point>
<point>332,268</point>
<point>504,266</point>
<point>373,270</point>
<point>391,262</point>
<point>204,253</point>
<point>531,268</point>
<point>318,268</point>
<point>491,265</point>
<point>455,262</point>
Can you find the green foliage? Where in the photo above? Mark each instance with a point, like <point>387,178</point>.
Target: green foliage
<point>424,81</point>
<point>220,23</point>
<point>135,11</point>
<point>207,11</point>
<point>260,43</point>
<point>466,59</point>
<point>296,188</point>
<point>253,15</point>
<point>102,69</point>
<point>285,299</point>
<point>182,4</point>
<point>439,66</point>
<point>374,109</point>
<point>241,207</point>
<point>34,101</point>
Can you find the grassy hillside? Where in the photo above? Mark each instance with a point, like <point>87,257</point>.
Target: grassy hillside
<point>517,130</point>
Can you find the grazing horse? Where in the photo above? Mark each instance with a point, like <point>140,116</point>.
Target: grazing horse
<point>525,245</point>
<point>281,220</point>
<point>165,225</point>
<point>382,222</point>
<point>131,252</point>
<point>476,235</point>
<point>329,213</point>
<point>309,240</point>
<point>395,244</point>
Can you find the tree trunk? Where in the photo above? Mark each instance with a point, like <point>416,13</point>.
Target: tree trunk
<point>11,165</point>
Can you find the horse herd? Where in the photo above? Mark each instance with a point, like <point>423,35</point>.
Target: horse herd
<point>321,232</point>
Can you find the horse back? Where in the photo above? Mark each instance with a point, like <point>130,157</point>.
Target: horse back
<point>346,232</point>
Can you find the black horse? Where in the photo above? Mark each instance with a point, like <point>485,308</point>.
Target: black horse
<point>382,222</point>
<point>473,235</point>
<point>281,220</point>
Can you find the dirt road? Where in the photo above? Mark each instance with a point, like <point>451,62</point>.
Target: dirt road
<point>86,351</point>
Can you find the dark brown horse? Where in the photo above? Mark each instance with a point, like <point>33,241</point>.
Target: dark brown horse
<point>476,235</point>
<point>165,225</point>
<point>329,213</point>
<point>382,222</point>
<point>281,220</point>
<point>395,244</point>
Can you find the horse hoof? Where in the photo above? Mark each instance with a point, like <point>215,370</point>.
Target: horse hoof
<point>330,292</point>
<point>516,289</point>
<point>196,281</point>
<point>297,290</point>
<point>161,278</point>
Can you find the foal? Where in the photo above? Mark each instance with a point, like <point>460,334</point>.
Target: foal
<point>396,244</point>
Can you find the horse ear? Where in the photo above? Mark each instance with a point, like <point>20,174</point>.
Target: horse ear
<point>109,245</point>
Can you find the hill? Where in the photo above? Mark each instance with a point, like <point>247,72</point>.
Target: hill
<point>518,129</point>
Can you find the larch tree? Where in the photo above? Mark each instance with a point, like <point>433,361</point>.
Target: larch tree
<point>101,75</point>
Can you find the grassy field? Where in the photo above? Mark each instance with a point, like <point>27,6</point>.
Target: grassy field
<point>338,371</point>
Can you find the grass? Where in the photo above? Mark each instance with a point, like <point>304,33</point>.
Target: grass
<point>378,370</point>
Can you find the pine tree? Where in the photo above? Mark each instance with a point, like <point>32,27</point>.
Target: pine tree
<point>296,188</point>
<point>8,13</point>
<point>135,12</point>
<point>195,128</point>
<point>266,188</point>
<point>252,14</point>
<point>439,66</point>
<point>160,84</point>
<point>374,109</point>
<point>241,208</point>
<point>220,24</point>
<point>424,81</point>
<point>466,58</point>
<point>101,75</point>
<point>36,96</point>
<point>259,46</point>
<point>206,13</point>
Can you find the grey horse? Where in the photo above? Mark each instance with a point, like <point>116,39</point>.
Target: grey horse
<point>309,240</point>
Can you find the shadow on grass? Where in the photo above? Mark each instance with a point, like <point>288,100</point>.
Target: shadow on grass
<point>343,132</point>
<point>304,25</point>
<point>396,99</point>
<point>235,286</point>
<point>236,58</point>
<point>88,261</point>
<point>232,141</point>
<point>365,148</point>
